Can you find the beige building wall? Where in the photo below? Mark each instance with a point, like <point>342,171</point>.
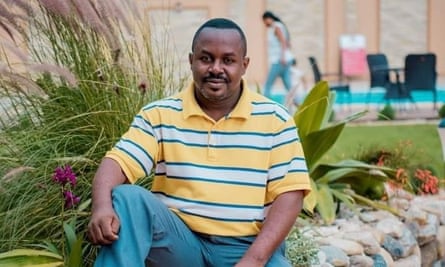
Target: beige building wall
<point>393,27</point>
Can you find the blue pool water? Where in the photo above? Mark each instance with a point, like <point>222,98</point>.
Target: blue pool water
<point>376,97</point>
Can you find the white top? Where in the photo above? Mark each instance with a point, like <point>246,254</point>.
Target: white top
<point>274,45</point>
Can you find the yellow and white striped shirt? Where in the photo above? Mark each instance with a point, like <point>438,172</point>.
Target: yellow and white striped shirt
<point>218,177</point>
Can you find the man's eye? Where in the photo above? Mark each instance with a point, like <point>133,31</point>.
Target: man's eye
<point>228,61</point>
<point>205,59</point>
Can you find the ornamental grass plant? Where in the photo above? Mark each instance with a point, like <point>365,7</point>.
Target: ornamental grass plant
<point>72,75</point>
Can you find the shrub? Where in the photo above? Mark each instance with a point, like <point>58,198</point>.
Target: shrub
<point>387,113</point>
<point>301,250</point>
<point>73,92</point>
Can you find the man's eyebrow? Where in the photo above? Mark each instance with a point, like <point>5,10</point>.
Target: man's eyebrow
<point>228,54</point>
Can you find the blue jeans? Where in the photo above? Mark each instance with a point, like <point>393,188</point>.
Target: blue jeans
<point>152,235</point>
<point>278,70</point>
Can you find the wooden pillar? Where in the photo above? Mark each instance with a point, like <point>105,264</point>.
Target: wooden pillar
<point>334,27</point>
<point>436,33</point>
<point>256,42</point>
<point>368,23</point>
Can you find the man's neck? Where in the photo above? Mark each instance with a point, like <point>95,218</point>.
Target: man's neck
<point>218,110</point>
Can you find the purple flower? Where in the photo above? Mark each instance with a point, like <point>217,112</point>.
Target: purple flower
<point>64,175</point>
<point>70,199</point>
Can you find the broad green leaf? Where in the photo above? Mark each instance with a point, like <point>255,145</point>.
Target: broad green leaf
<point>325,204</point>
<point>320,91</point>
<point>321,169</point>
<point>312,112</point>
<point>354,116</point>
<point>70,235</point>
<point>75,256</point>
<point>30,258</point>
<point>310,201</point>
<point>316,144</point>
<point>375,204</point>
<point>346,172</point>
<point>345,198</point>
<point>310,119</point>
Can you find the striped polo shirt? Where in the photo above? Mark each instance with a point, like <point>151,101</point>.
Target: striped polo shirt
<point>219,177</point>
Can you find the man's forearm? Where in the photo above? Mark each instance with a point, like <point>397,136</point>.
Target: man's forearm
<point>108,175</point>
<point>280,219</point>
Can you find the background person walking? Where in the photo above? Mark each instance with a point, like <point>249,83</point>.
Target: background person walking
<point>279,55</point>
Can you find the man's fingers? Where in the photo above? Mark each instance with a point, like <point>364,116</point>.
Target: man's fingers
<point>108,230</point>
<point>115,224</point>
<point>95,235</point>
<point>103,232</point>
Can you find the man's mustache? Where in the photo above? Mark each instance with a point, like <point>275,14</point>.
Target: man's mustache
<point>215,77</point>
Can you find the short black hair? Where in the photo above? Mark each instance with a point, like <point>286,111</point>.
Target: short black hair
<point>221,23</point>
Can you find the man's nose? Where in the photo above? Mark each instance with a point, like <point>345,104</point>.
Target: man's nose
<point>216,67</point>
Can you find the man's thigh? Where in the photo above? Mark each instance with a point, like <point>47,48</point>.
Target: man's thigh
<point>227,251</point>
<point>144,218</point>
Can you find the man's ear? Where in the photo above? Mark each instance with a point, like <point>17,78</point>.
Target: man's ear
<point>190,58</point>
<point>246,61</point>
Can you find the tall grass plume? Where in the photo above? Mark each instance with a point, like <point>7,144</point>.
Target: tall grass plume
<point>67,93</point>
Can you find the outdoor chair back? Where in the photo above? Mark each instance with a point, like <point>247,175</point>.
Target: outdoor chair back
<point>340,85</point>
<point>420,73</point>
<point>380,77</point>
<point>378,70</point>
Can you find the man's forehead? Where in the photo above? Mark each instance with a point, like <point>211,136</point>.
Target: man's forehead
<point>214,32</point>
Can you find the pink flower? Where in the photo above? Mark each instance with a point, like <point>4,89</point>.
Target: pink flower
<point>64,175</point>
<point>70,199</point>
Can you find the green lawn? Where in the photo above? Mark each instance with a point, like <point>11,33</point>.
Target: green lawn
<point>420,143</point>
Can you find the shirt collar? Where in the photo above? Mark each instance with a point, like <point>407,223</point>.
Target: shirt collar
<point>242,110</point>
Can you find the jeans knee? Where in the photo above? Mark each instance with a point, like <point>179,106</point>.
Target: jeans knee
<point>128,191</point>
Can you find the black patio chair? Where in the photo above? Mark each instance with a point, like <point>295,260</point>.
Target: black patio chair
<point>340,85</point>
<point>380,77</point>
<point>420,74</point>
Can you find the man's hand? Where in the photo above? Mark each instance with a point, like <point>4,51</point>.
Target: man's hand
<point>104,223</point>
<point>279,221</point>
<point>103,228</point>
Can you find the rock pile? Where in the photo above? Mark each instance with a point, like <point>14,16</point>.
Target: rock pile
<point>378,238</point>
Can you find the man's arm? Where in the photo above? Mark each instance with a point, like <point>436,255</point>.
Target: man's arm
<point>276,227</point>
<point>104,224</point>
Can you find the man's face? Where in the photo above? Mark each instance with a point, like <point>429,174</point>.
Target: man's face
<point>218,63</point>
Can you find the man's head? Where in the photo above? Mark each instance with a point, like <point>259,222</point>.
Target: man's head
<point>218,61</point>
<point>221,23</point>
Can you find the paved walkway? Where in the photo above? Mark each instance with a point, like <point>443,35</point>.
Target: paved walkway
<point>407,112</point>
<point>421,113</point>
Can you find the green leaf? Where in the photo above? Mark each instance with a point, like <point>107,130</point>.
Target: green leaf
<point>84,205</point>
<point>321,169</point>
<point>49,246</point>
<point>325,204</point>
<point>313,111</point>
<point>317,143</point>
<point>30,258</point>
<point>375,204</point>
<point>70,236</point>
<point>345,198</point>
<point>310,201</point>
<point>346,172</point>
<point>75,256</point>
